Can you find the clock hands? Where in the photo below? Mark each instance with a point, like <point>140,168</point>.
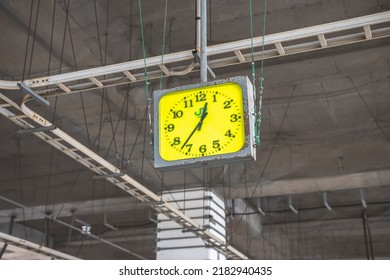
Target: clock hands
<point>198,126</point>
<point>203,116</point>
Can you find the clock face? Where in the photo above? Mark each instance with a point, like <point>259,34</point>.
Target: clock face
<point>200,122</point>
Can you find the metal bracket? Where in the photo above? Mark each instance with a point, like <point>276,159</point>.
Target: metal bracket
<point>29,91</point>
<point>325,197</point>
<point>362,198</point>
<point>105,176</point>
<point>107,224</point>
<point>290,204</point>
<point>258,206</point>
<point>195,53</point>
<point>37,129</point>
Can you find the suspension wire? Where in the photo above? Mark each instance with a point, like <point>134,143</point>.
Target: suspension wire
<point>369,110</point>
<point>161,80</point>
<point>19,173</point>
<point>81,93</point>
<point>67,5</point>
<point>51,38</point>
<point>248,228</point>
<point>125,127</point>
<point>257,109</point>
<point>136,140</point>
<point>269,154</point>
<point>143,155</point>
<point>28,40</point>
<point>117,125</point>
<point>48,70</point>
<point>34,34</point>
<point>164,42</point>
<point>123,167</point>
<point>147,83</point>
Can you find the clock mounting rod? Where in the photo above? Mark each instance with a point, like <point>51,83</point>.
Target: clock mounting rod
<point>203,41</point>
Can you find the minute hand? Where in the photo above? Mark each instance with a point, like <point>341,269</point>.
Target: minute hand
<point>198,126</point>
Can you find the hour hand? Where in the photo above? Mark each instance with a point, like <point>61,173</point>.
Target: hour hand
<point>203,116</point>
<point>198,126</point>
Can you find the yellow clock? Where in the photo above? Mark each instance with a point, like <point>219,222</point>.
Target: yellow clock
<point>200,123</point>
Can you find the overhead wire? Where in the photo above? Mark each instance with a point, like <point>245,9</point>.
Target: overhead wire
<point>257,110</point>
<point>28,40</point>
<point>270,153</point>
<point>164,42</point>
<point>380,128</point>
<point>34,34</point>
<point>146,77</point>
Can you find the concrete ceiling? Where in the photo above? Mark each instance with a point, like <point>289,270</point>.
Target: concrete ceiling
<point>325,128</point>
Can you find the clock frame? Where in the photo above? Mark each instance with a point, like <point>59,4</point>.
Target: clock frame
<point>204,124</point>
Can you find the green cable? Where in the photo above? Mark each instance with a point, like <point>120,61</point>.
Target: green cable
<point>163,45</point>
<point>257,110</point>
<point>252,49</point>
<point>144,51</point>
<point>148,99</point>
<point>264,25</point>
<point>258,114</point>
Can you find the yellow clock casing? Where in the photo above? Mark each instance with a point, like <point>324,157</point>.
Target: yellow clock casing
<point>203,123</point>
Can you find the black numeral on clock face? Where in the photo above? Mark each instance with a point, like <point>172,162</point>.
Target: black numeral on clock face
<point>227,105</point>
<point>176,141</point>
<point>188,103</point>
<point>216,144</point>
<point>233,118</point>
<point>177,114</point>
<point>200,97</point>
<point>189,147</point>
<point>229,133</point>
<point>170,127</point>
<point>202,149</point>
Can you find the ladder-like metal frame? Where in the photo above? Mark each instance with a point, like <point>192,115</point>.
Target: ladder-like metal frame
<point>302,40</point>
<point>181,63</point>
<point>33,247</point>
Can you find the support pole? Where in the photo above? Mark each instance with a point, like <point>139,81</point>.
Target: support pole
<point>367,236</point>
<point>203,41</point>
<point>197,26</point>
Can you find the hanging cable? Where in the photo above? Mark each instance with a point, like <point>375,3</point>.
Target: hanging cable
<point>34,34</point>
<point>147,83</point>
<point>257,109</point>
<point>164,42</point>
<point>28,40</point>
<point>270,153</point>
<point>258,105</point>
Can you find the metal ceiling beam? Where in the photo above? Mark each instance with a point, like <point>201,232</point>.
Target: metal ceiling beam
<point>222,55</point>
<point>36,248</point>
